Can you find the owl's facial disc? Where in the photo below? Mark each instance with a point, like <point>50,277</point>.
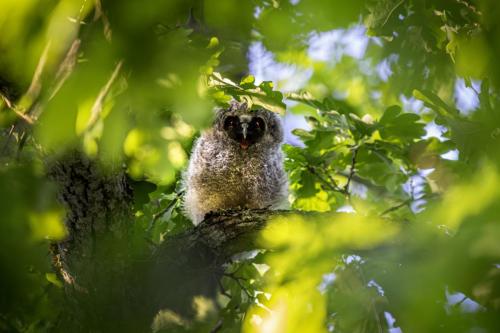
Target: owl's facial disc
<point>245,130</point>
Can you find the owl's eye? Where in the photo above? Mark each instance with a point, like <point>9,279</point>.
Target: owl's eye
<point>258,123</point>
<point>231,122</point>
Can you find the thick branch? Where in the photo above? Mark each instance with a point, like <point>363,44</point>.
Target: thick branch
<point>229,232</point>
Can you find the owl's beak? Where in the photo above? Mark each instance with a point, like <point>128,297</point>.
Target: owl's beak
<point>244,127</point>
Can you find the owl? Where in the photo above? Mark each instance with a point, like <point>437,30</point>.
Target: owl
<point>236,164</point>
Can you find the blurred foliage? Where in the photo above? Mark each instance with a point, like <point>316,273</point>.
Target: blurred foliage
<point>393,235</point>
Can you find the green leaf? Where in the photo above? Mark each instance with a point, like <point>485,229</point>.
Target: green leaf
<point>323,139</point>
<point>433,101</point>
<point>247,82</point>
<point>308,185</point>
<point>261,96</point>
<point>52,278</point>
<point>394,125</point>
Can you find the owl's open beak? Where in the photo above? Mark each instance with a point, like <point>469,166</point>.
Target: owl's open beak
<point>244,130</point>
<point>244,145</point>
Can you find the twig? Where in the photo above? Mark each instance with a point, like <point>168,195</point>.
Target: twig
<point>352,170</point>
<point>459,303</point>
<point>391,12</point>
<point>217,327</point>
<point>15,109</point>
<point>31,113</point>
<point>330,178</point>
<point>156,216</point>
<point>381,190</point>
<point>173,202</point>
<point>331,186</point>
<point>35,86</point>
<point>97,107</point>
<point>228,83</point>
<point>66,67</point>
<point>223,290</point>
<point>391,209</point>
<point>99,13</point>
<point>237,279</point>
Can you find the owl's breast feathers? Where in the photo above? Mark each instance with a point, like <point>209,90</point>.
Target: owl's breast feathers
<point>229,177</point>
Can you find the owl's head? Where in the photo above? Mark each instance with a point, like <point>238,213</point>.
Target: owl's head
<point>249,128</point>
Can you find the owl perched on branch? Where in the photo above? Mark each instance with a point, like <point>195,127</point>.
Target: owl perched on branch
<point>237,163</point>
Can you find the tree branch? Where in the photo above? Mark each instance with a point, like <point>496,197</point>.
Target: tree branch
<point>229,232</point>
<point>352,170</point>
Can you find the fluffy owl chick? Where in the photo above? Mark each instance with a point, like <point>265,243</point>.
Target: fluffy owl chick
<point>237,163</point>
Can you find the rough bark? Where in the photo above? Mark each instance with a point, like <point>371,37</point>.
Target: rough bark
<point>230,232</point>
<point>92,259</point>
<point>98,204</point>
